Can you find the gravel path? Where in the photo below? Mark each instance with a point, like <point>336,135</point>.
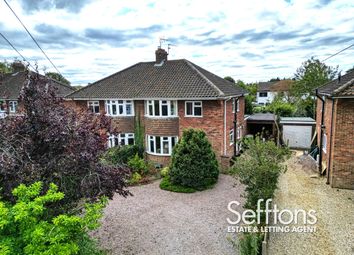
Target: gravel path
<point>335,213</point>
<point>155,221</point>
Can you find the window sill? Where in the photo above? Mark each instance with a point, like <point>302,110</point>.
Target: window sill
<point>160,155</point>
<point>190,116</point>
<point>120,116</point>
<point>161,117</point>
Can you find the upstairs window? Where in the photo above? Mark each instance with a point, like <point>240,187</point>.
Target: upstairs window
<point>121,139</point>
<point>13,106</point>
<point>119,107</point>
<point>263,94</point>
<point>161,108</point>
<point>193,109</point>
<point>235,105</point>
<point>94,106</point>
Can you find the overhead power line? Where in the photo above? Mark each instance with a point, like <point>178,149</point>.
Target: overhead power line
<point>19,53</point>
<point>338,52</point>
<point>29,33</point>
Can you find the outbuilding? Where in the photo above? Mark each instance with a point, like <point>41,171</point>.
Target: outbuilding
<point>297,131</point>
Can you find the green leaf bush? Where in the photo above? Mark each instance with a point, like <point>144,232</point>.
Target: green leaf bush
<point>26,228</point>
<point>121,154</point>
<point>193,162</point>
<point>138,164</point>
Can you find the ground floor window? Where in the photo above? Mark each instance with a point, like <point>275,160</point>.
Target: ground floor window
<point>121,139</point>
<point>231,136</point>
<point>161,145</point>
<point>13,106</point>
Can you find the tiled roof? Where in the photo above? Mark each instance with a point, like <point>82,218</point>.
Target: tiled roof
<point>176,79</point>
<point>278,86</point>
<point>11,85</point>
<point>265,86</point>
<point>339,87</point>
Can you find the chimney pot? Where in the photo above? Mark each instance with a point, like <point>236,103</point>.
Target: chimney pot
<point>161,55</point>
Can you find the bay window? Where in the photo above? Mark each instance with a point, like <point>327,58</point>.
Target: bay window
<point>193,108</point>
<point>161,108</point>
<point>161,145</point>
<point>119,108</point>
<point>94,106</point>
<point>121,139</point>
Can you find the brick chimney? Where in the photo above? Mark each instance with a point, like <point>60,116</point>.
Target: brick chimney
<point>161,55</point>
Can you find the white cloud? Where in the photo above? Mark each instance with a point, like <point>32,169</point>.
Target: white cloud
<point>249,40</point>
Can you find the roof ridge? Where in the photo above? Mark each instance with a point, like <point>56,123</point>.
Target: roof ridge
<point>204,77</point>
<point>104,78</point>
<point>344,86</point>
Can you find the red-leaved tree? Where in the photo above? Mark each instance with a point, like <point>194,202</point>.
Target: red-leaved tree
<point>53,143</point>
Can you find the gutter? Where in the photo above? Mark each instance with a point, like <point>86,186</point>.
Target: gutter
<point>322,127</point>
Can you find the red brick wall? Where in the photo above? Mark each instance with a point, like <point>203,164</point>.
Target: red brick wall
<point>212,123</point>
<point>342,173</point>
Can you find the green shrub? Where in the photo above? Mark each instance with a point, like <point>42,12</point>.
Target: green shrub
<point>166,184</point>
<point>26,228</point>
<point>138,164</point>
<point>165,171</point>
<point>194,162</point>
<point>259,168</point>
<point>136,178</point>
<point>122,154</point>
<point>281,108</point>
<point>250,243</point>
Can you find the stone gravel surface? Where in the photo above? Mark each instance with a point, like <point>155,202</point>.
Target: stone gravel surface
<point>301,188</point>
<point>155,221</point>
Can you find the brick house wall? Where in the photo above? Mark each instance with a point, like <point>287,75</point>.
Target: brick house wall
<point>342,162</point>
<point>212,123</point>
<point>339,151</point>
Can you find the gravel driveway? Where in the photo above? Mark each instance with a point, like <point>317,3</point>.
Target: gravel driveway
<point>155,221</point>
<point>335,213</point>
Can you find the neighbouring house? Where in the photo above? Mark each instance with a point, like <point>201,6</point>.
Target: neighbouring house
<point>166,97</point>
<point>335,128</point>
<point>11,85</point>
<point>267,91</point>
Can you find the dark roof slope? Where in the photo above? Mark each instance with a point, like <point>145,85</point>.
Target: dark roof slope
<point>173,79</point>
<point>11,85</point>
<point>339,87</point>
<point>265,86</point>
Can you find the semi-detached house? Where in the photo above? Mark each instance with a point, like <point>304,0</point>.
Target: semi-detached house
<point>167,96</point>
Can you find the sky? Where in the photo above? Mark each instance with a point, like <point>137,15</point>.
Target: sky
<point>248,40</point>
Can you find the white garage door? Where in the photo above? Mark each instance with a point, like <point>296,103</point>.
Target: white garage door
<point>297,136</point>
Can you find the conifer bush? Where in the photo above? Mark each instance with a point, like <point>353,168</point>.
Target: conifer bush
<point>194,162</point>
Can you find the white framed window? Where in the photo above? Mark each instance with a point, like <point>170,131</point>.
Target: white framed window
<point>121,140</point>
<point>324,143</point>
<point>263,94</point>
<point>94,106</point>
<point>13,106</point>
<point>119,107</point>
<point>239,133</point>
<point>231,136</point>
<point>160,108</point>
<point>193,109</point>
<point>235,105</point>
<point>161,145</point>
